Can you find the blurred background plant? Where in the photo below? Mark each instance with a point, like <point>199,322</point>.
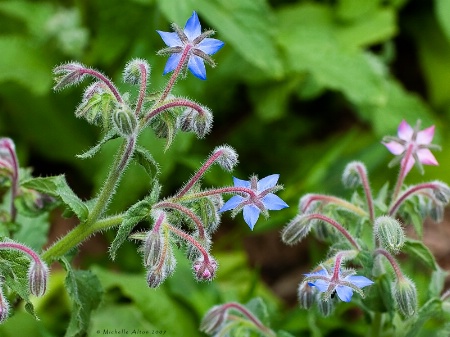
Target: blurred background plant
<point>301,89</point>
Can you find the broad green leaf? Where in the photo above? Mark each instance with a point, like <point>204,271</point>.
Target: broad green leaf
<point>33,232</point>
<point>355,9</point>
<point>437,282</point>
<point>248,25</point>
<point>430,309</point>
<point>259,309</point>
<point>308,36</point>
<point>156,306</point>
<point>417,250</point>
<point>23,63</point>
<point>86,292</point>
<point>57,186</point>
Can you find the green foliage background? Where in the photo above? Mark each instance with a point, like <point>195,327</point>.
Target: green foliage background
<point>301,88</point>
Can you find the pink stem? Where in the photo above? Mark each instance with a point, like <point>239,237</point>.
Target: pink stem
<point>173,104</point>
<point>392,261</point>
<point>190,239</point>
<point>394,208</point>
<point>248,314</point>
<point>22,248</point>
<point>105,80</point>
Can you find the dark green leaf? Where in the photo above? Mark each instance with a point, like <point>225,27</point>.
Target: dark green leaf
<point>417,250</point>
<point>93,150</point>
<point>86,292</point>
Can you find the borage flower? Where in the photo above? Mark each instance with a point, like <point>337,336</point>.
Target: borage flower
<point>343,283</point>
<point>261,200</point>
<point>412,146</point>
<point>190,46</point>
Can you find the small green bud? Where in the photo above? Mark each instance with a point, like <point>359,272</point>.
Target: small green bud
<point>325,306</point>
<point>37,278</point>
<point>390,233</point>
<point>297,229</point>
<point>125,121</point>
<point>405,295</point>
<point>306,295</point>
<point>133,71</point>
<point>351,177</point>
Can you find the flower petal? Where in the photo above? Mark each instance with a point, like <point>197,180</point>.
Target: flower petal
<point>210,46</point>
<point>425,136</point>
<point>170,39</point>
<point>232,203</point>
<point>172,63</point>
<point>251,214</point>
<point>426,157</point>
<point>267,182</point>
<point>394,147</point>
<point>359,281</point>
<point>197,67</point>
<point>320,272</point>
<point>192,29</point>
<point>273,202</point>
<point>345,293</point>
<point>405,131</point>
<point>321,285</point>
<point>241,183</point>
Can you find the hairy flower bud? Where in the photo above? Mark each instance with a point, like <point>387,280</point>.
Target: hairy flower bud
<point>4,306</point>
<point>68,74</point>
<point>213,320</point>
<point>351,177</point>
<point>405,295</point>
<point>325,306</point>
<point>125,121</point>
<point>390,233</point>
<point>436,211</point>
<point>297,229</point>
<point>155,277</point>
<point>306,294</point>
<point>133,71</point>
<point>153,248</point>
<point>442,193</point>
<point>205,270</point>
<point>7,153</point>
<point>228,157</point>
<point>37,278</point>
<point>199,121</point>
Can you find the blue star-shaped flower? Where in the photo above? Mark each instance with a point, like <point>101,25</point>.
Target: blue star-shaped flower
<point>344,284</point>
<point>190,44</point>
<point>262,199</point>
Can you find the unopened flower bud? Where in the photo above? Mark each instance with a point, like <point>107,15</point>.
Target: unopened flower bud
<point>390,233</point>
<point>213,320</point>
<point>325,306</point>
<point>405,295</point>
<point>133,70</point>
<point>351,177</point>
<point>155,277</point>
<point>125,121</point>
<point>153,248</point>
<point>442,193</point>
<point>228,158</point>
<point>198,121</point>
<point>68,74</point>
<point>4,306</point>
<point>7,148</point>
<point>37,278</point>
<point>436,211</point>
<point>307,205</point>
<point>298,228</point>
<point>205,270</point>
<point>306,295</point>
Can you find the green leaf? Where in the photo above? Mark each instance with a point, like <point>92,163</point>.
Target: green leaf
<point>432,308</point>
<point>86,292</point>
<point>259,309</point>
<point>14,268</point>
<point>146,160</point>
<point>416,249</point>
<point>132,217</point>
<point>313,46</point>
<point>111,134</point>
<point>57,186</point>
<point>247,25</point>
<point>33,232</point>
<point>437,282</point>
<point>442,9</point>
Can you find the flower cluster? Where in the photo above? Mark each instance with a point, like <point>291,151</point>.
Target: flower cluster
<point>368,230</point>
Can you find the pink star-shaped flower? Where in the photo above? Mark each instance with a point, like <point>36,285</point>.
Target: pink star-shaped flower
<point>412,146</point>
